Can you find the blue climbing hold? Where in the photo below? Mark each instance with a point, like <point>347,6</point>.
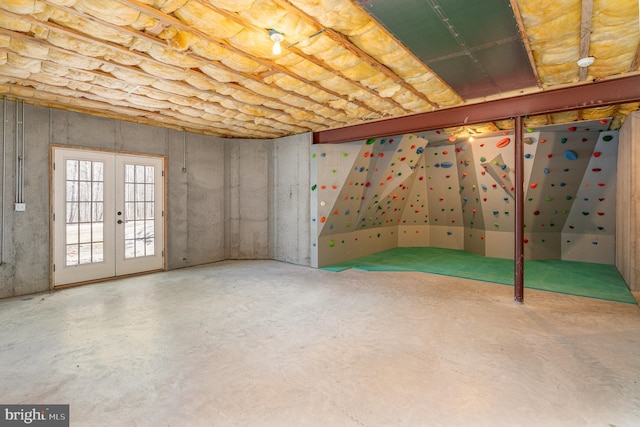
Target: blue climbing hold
<point>420,150</point>
<point>546,171</point>
<point>446,164</point>
<point>570,155</point>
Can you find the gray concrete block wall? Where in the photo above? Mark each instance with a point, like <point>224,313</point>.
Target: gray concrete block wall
<point>247,196</point>
<point>291,189</point>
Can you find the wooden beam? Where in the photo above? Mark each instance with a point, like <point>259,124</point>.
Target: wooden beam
<point>576,97</point>
<point>585,34</point>
<point>525,40</point>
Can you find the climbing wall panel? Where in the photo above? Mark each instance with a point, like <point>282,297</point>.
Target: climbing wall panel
<point>589,231</point>
<point>431,190</point>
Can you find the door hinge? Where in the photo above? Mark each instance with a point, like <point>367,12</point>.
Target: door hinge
<point>54,217</point>
<point>162,173</point>
<point>163,213</point>
<point>54,268</point>
<point>162,254</point>
<point>54,165</point>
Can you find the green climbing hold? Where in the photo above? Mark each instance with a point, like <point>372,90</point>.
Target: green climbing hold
<point>313,156</point>
<point>313,187</point>
<point>345,154</point>
<point>483,159</point>
<point>548,199</point>
<point>607,138</point>
<point>569,197</point>
<point>371,141</point>
<point>331,243</point>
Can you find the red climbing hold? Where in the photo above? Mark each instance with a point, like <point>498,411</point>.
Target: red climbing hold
<point>596,169</point>
<point>536,212</point>
<point>597,154</point>
<point>533,185</point>
<point>601,184</point>
<point>503,142</point>
<point>600,213</point>
<point>573,128</point>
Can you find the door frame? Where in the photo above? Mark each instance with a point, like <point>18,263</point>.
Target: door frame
<point>165,163</point>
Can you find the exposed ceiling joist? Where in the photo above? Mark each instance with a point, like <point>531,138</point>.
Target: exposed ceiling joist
<point>585,34</point>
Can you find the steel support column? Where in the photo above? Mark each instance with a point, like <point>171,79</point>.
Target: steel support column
<point>519,220</point>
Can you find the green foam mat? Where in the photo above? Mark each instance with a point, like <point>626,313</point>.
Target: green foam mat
<point>590,280</point>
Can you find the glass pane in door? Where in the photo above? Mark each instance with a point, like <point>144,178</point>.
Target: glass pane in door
<point>139,218</point>
<point>84,207</point>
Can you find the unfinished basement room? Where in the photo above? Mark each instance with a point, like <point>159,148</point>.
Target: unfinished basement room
<point>320,213</point>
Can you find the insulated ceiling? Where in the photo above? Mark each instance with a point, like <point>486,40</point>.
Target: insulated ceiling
<point>207,66</point>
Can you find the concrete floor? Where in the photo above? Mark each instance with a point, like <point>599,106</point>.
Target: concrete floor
<point>253,343</point>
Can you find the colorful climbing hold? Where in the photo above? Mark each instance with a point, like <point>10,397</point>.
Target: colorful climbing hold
<point>503,142</point>
<point>570,155</point>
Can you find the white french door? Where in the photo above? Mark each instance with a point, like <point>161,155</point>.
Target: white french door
<point>108,215</point>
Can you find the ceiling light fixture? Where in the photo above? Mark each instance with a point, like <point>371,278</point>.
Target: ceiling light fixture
<point>586,61</point>
<point>277,37</point>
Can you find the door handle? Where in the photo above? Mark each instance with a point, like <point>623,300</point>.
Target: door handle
<point>119,221</point>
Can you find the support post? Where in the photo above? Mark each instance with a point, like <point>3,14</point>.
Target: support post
<point>519,225</point>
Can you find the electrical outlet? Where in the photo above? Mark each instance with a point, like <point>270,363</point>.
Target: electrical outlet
<point>21,207</point>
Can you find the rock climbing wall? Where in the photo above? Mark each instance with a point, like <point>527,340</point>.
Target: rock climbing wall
<point>430,190</point>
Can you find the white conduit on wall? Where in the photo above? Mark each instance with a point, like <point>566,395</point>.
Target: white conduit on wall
<point>20,155</point>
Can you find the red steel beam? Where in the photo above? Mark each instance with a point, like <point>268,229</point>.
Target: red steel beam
<point>588,95</point>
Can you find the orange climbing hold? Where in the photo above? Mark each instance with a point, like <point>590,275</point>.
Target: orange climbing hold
<point>503,142</point>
